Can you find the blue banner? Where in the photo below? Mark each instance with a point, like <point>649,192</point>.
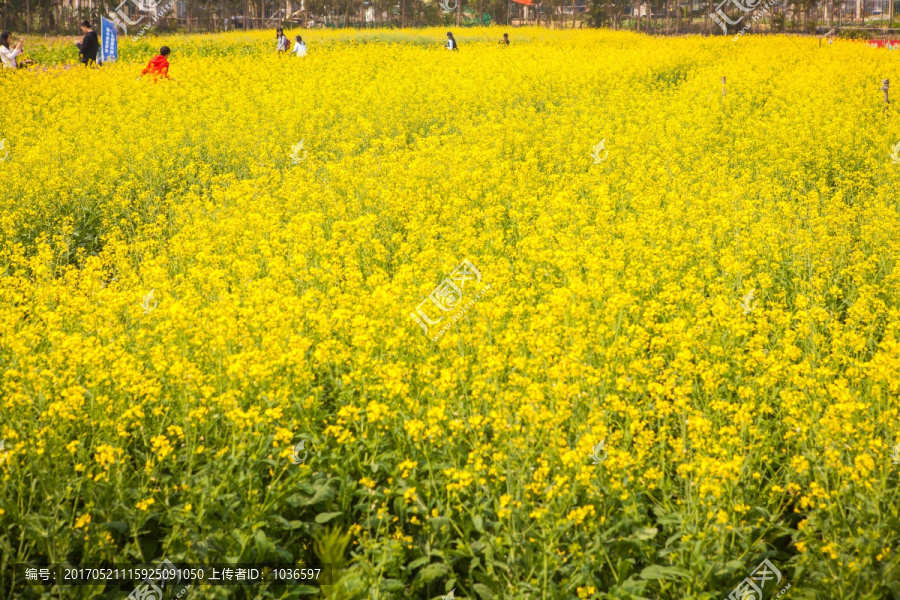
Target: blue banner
<point>109,41</point>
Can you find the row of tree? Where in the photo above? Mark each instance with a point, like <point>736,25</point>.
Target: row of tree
<point>718,16</point>
<point>63,17</point>
<point>655,16</point>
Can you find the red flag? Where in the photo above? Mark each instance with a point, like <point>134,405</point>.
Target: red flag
<point>525,2</point>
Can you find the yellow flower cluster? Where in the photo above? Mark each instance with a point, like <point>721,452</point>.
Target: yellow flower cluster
<point>181,301</point>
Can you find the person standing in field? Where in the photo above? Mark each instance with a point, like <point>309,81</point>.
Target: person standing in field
<point>451,42</point>
<point>299,47</point>
<point>89,46</point>
<point>505,40</point>
<point>8,55</point>
<point>282,45</point>
<point>158,65</point>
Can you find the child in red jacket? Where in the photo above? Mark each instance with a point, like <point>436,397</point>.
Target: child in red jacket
<point>158,65</point>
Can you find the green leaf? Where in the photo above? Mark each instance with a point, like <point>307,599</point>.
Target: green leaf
<point>646,533</point>
<point>623,568</point>
<point>669,519</point>
<point>391,585</point>
<point>325,517</point>
<point>483,591</point>
<point>117,526</point>
<point>92,591</point>
<point>627,545</point>
<point>322,493</point>
<point>634,589</point>
<point>305,590</point>
<point>478,522</point>
<point>295,500</point>
<point>418,563</point>
<point>656,572</point>
<point>438,522</point>
<point>432,572</point>
<point>730,567</point>
<point>487,580</point>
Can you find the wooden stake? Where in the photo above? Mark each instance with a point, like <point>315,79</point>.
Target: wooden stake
<point>884,87</point>
<point>723,86</point>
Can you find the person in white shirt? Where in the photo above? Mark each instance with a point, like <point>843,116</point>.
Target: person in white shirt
<point>299,47</point>
<point>282,41</point>
<point>8,55</point>
<point>451,42</point>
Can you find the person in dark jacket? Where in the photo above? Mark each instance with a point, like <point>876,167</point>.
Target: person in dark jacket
<point>89,46</point>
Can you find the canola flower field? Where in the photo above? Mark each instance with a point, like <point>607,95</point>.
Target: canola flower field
<point>682,359</point>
